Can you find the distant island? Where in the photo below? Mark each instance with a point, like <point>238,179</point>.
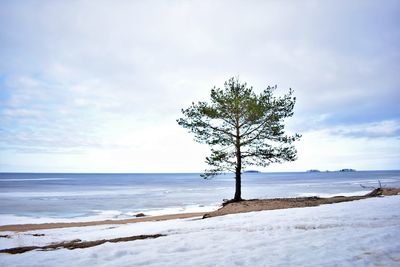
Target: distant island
<point>347,170</point>
<point>251,171</point>
<point>313,170</point>
<point>342,170</point>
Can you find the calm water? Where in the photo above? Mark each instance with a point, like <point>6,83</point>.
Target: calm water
<point>44,195</point>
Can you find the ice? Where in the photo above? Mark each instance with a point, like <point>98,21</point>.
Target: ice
<point>40,197</point>
<point>108,192</point>
<point>31,179</point>
<point>357,233</point>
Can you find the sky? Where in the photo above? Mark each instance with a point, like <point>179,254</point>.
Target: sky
<point>97,86</point>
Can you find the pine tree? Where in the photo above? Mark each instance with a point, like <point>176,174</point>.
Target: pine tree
<point>243,129</point>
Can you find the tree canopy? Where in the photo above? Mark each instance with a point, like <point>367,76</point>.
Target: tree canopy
<point>243,128</point>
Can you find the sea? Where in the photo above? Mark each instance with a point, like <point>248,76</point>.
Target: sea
<point>65,197</point>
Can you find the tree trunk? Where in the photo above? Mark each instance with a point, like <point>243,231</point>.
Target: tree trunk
<point>238,173</point>
<point>238,188</point>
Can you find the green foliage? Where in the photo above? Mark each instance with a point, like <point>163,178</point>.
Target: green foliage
<point>243,128</point>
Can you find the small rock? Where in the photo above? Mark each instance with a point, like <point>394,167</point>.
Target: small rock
<point>37,234</point>
<point>205,216</point>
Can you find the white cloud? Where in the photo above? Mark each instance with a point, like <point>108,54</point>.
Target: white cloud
<point>101,78</point>
<point>388,128</point>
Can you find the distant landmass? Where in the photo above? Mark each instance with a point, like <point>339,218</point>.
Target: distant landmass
<point>342,170</point>
<point>347,170</point>
<point>251,171</point>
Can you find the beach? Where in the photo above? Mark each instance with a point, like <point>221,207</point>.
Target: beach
<point>226,209</point>
<point>63,198</point>
<point>313,215</point>
<point>348,233</point>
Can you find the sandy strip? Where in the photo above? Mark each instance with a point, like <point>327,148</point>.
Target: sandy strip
<point>42,226</point>
<point>298,202</point>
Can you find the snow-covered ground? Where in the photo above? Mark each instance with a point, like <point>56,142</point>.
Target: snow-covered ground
<point>358,233</point>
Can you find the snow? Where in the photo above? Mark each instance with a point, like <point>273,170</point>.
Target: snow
<point>358,233</point>
<point>325,195</point>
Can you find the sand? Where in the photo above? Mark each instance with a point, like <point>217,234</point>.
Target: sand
<point>42,226</point>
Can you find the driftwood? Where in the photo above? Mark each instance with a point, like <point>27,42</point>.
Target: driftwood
<point>376,191</point>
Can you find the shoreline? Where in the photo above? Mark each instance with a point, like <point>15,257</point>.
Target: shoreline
<point>45,226</point>
<point>228,208</point>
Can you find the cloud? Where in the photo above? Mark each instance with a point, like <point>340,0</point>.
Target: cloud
<point>42,116</point>
<point>83,76</point>
<point>389,128</point>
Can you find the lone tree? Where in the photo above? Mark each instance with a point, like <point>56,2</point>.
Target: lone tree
<point>243,129</point>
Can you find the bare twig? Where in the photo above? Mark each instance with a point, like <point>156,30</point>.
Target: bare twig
<point>373,187</point>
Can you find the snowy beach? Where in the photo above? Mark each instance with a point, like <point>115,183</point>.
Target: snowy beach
<point>50,198</point>
<point>357,233</point>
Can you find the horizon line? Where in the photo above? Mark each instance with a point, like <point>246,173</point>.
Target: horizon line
<point>249,171</point>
